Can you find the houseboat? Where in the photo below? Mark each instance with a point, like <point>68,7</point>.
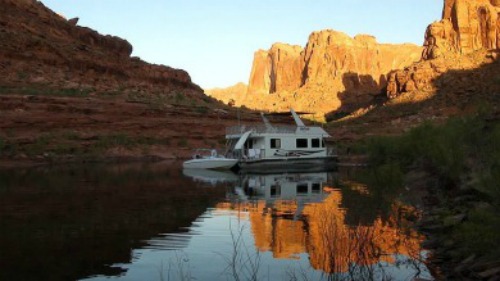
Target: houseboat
<point>268,147</point>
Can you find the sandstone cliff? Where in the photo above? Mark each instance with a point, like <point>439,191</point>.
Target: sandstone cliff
<point>466,26</point>
<point>465,38</point>
<point>279,69</point>
<point>40,48</point>
<point>332,71</point>
<point>458,74</point>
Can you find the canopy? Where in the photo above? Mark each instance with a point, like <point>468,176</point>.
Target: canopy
<point>242,140</point>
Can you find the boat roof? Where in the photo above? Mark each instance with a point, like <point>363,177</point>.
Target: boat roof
<point>288,113</point>
<point>299,129</point>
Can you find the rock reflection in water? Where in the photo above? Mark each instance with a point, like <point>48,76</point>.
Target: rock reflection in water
<point>301,213</point>
<point>156,222</point>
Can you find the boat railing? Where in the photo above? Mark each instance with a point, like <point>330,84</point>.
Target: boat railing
<point>259,129</point>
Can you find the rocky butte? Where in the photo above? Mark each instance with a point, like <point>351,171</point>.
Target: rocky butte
<point>465,38</point>
<point>333,71</point>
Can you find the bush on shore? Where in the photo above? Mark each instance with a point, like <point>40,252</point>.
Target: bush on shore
<point>464,155</point>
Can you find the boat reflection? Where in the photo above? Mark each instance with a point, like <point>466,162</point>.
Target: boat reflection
<point>212,177</point>
<point>293,214</point>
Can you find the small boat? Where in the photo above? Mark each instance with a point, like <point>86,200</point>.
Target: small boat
<point>209,159</point>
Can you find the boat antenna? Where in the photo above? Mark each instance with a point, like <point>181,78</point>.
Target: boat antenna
<point>266,122</point>
<point>297,119</point>
<point>238,116</point>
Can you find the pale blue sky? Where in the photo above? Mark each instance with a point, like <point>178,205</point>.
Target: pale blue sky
<point>214,40</point>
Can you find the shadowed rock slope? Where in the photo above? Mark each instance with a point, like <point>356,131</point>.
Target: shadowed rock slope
<point>69,93</point>
<point>41,48</point>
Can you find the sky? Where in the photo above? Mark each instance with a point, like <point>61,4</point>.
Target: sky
<point>214,40</point>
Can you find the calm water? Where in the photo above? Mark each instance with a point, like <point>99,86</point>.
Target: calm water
<point>158,222</point>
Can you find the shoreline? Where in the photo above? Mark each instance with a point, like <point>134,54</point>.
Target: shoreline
<point>32,163</point>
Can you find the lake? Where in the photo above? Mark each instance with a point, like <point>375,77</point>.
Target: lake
<point>155,221</point>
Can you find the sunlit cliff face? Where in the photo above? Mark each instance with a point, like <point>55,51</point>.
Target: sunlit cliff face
<point>322,232</point>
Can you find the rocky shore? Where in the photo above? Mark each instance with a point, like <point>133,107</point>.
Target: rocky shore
<point>443,215</point>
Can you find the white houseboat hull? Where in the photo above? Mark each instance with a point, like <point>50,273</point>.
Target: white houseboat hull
<point>289,165</point>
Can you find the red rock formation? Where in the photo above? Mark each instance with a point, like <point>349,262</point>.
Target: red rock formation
<point>39,47</point>
<point>332,244</point>
<point>230,95</point>
<point>279,69</point>
<point>467,27</point>
<point>260,80</point>
<point>333,70</point>
<point>360,62</point>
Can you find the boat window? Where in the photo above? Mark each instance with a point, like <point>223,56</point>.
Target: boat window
<point>315,143</point>
<point>302,188</point>
<point>301,143</point>
<point>249,143</point>
<point>316,187</point>
<point>275,143</point>
<point>275,190</point>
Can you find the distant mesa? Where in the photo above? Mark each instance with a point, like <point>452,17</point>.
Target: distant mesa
<point>230,95</point>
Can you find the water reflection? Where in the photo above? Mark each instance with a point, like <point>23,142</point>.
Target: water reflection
<point>211,177</point>
<point>66,223</point>
<point>158,222</point>
<point>291,214</point>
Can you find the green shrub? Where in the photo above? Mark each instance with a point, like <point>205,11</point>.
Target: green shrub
<point>71,135</point>
<point>37,91</point>
<point>39,146</point>
<point>179,97</point>
<point>182,142</point>
<point>202,109</point>
<point>479,233</point>
<point>463,152</point>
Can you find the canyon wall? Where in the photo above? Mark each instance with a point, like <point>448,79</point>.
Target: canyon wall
<point>41,48</point>
<point>278,69</point>
<point>335,72</point>
<point>467,36</point>
<point>332,71</point>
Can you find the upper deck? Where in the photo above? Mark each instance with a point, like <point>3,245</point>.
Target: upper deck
<point>237,131</point>
<point>260,129</point>
<point>299,130</point>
